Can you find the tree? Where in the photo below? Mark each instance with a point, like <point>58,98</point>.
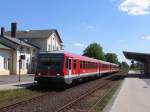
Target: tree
<point>124,65</point>
<point>94,50</point>
<point>132,65</point>
<point>111,57</point>
<point>137,66</point>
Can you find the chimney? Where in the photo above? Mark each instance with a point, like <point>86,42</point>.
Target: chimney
<point>13,29</point>
<point>2,31</point>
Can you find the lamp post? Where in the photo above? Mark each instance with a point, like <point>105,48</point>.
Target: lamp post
<point>19,67</point>
<point>19,60</point>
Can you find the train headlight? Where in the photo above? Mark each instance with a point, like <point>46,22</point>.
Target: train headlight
<point>39,73</point>
<point>58,74</point>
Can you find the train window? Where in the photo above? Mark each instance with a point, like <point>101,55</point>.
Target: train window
<point>75,64</point>
<point>88,64</point>
<point>93,65</point>
<point>66,62</point>
<point>70,64</point>
<point>81,64</point>
<point>84,63</point>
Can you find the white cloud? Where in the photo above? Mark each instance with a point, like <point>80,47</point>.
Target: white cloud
<point>135,7</point>
<point>121,40</point>
<point>146,37</point>
<point>90,27</point>
<point>78,44</point>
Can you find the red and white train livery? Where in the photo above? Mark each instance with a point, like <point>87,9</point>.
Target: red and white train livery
<point>57,67</point>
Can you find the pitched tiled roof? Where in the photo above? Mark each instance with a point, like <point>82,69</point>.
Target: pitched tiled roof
<point>17,41</point>
<point>13,42</point>
<point>35,34</point>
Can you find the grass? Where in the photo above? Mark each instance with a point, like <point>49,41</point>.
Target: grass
<point>9,97</point>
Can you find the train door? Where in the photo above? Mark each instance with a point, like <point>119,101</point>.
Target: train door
<point>75,66</point>
<point>70,67</point>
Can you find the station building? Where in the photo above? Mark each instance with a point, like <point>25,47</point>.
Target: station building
<point>46,40</point>
<point>19,49</point>
<point>14,54</point>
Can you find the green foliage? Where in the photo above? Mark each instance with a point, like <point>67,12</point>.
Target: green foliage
<point>8,97</point>
<point>94,50</point>
<point>137,66</point>
<point>124,65</point>
<point>111,57</point>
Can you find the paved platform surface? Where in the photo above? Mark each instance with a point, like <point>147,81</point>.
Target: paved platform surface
<point>5,79</point>
<point>134,95</point>
<point>11,82</point>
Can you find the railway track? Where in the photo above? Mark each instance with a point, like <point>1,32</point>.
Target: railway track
<point>73,106</point>
<point>101,98</point>
<point>7,107</point>
<point>50,106</point>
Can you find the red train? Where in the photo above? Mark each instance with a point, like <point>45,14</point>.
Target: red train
<point>57,67</point>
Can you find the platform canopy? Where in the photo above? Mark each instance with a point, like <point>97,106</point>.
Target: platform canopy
<point>141,57</point>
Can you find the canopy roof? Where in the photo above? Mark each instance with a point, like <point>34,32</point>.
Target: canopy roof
<point>142,57</point>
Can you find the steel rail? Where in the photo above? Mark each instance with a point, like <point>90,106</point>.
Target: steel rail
<point>71,103</point>
<point>22,102</point>
<point>80,98</point>
<point>102,98</point>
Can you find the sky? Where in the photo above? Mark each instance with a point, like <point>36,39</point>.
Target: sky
<point>117,25</point>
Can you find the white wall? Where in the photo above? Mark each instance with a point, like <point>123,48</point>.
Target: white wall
<point>7,54</point>
<point>53,43</point>
<point>14,56</point>
<point>28,59</point>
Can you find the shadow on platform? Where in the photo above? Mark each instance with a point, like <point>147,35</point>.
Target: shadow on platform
<point>141,76</point>
<point>25,85</point>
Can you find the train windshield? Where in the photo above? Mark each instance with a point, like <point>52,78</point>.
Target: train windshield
<point>50,62</point>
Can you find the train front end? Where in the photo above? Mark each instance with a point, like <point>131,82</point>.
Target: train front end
<point>50,68</point>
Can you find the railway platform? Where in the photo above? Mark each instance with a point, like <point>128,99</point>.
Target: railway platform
<point>133,95</point>
<point>11,82</point>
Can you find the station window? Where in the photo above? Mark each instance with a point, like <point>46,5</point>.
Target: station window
<point>8,63</point>
<point>75,64</point>
<point>28,50</point>
<point>5,63</point>
<point>49,47</point>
